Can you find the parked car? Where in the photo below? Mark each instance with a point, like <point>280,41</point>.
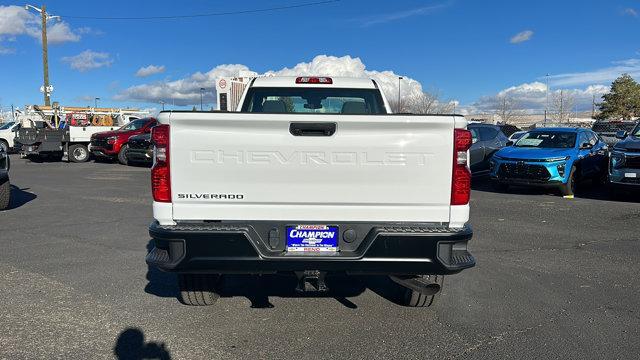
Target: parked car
<point>295,183</point>
<point>7,135</point>
<point>607,129</point>
<point>624,162</point>
<point>113,144</point>
<point>5,185</point>
<point>140,149</point>
<point>509,129</point>
<point>552,157</point>
<point>487,139</point>
<point>516,136</point>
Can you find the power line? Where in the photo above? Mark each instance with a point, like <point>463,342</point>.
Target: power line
<point>169,17</point>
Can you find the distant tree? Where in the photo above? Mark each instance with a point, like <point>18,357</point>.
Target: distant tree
<point>194,108</point>
<point>623,101</point>
<point>427,103</point>
<point>398,107</point>
<point>507,108</point>
<point>562,103</point>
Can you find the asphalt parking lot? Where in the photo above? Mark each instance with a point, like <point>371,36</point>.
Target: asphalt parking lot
<point>556,278</point>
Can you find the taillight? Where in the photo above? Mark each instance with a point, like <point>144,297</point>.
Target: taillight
<point>314,80</point>
<point>160,172</point>
<point>461,178</point>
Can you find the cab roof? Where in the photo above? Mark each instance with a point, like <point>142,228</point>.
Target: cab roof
<point>338,82</point>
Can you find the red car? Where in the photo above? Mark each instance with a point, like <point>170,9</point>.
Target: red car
<point>113,144</point>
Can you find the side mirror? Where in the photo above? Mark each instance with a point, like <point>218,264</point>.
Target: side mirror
<point>474,140</point>
<point>509,143</point>
<point>586,146</point>
<point>621,134</point>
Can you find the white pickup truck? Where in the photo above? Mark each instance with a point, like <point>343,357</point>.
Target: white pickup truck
<point>312,175</point>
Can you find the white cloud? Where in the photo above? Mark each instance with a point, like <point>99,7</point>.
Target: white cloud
<point>16,21</point>
<point>6,50</point>
<point>598,76</point>
<point>60,32</point>
<point>150,70</point>
<point>532,97</point>
<point>186,91</point>
<point>521,37</point>
<point>389,17</point>
<point>88,60</point>
<point>630,12</point>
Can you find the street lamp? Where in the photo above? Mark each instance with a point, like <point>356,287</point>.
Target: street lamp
<point>45,57</point>
<point>201,92</point>
<point>162,102</point>
<point>546,110</point>
<point>399,107</point>
<point>95,103</point>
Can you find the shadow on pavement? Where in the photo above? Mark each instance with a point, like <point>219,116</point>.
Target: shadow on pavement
<point>258,288</point>
<point>132,346</point>
<point>586,190</point>
<point>20,197</point>
<point>139,164</point>
<point>160,283</point>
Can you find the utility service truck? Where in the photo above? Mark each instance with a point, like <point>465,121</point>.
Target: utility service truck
<point>313,176</point>
<point>53,131</point>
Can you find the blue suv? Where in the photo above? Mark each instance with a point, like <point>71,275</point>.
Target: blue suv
<point>552,157</point>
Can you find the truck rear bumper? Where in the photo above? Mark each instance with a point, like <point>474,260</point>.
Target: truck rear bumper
<point>258,248</point>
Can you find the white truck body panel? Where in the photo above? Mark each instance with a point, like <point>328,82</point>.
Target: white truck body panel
<point>375,168</point>
<point>78,134</point>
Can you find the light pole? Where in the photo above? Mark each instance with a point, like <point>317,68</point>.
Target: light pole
<point>95,102</point>
<point>201,92</point>
<point>162,102</point>
<point>399,107</point>
<point>546,109</point>
<point>45,57</point>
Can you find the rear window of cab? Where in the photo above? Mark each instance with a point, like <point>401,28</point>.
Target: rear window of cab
<point>310,100</point>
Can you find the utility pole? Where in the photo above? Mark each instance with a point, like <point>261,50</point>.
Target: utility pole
<point>561,115</point>
<point>45,57</point>
<point>546,109</point>
<point>162,102</point>
<point>399,106</point>
<point>46,88</point>
<point>96,102</point>
<point>201,91</point>
<point>593,107</point>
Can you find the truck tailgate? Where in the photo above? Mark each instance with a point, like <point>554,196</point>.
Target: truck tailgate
<point>231,166</point>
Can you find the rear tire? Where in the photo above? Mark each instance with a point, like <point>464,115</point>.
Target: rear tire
<point>198,289</point>
<point>569,188</point>
<point>122,155</point>
<point>411,298</point>
<point>5,194</point>
<point>78,153</point>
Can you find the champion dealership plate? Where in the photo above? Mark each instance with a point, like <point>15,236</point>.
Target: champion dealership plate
<point>312,238</point>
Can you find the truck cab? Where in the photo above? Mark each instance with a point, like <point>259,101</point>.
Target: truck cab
<point>313,175</point>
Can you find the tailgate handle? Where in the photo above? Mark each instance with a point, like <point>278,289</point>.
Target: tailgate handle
<point>312,129</point>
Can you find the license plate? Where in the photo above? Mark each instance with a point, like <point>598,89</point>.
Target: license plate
<point>630,175</point>
<point>312,238</point>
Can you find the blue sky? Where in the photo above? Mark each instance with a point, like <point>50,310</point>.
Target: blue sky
<point>468,51</point>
